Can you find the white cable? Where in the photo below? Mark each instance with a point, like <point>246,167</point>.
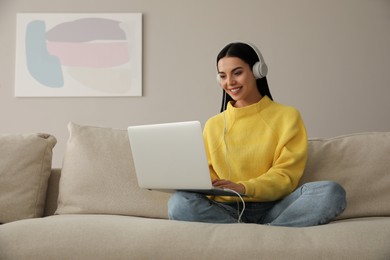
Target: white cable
<point>230,171</point>
<point>243,204</point>
<point>226,146</point>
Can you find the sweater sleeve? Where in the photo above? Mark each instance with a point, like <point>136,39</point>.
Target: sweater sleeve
<point>288,164</point>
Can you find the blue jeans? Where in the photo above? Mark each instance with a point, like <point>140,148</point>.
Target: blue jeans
<point>313,203</point>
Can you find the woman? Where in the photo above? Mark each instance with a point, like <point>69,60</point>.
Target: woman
<point>256,147</point>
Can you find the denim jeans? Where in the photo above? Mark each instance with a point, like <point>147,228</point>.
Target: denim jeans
<point>313,203</point>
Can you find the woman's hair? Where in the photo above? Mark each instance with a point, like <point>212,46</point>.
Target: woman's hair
<point>246,53</point>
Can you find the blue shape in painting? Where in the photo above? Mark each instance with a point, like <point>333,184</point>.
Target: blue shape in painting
<point>43,67</point>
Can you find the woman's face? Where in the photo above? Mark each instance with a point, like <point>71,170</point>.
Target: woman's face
<point>237,79</point>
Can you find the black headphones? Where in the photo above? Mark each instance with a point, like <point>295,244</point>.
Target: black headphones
<point>259,69</point>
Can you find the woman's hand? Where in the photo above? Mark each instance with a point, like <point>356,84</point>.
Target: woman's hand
<point>229,185</point>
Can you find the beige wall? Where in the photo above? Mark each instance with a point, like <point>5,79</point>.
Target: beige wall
<point>328,58</point>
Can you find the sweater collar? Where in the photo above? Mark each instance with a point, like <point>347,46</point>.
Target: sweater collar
<point>235,113</point>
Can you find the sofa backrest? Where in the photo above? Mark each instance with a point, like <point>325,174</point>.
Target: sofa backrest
<point>361,164</point>
<point>52,192</point>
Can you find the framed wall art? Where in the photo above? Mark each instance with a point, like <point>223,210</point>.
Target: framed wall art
<point>78,55</point>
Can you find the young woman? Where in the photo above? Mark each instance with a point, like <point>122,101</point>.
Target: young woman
<point>256,147</point>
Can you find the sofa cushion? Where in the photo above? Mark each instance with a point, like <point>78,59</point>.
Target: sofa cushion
<point>361,164</point>
<point>122,237</point>
<point>25,167</point>
<point>98,176</point>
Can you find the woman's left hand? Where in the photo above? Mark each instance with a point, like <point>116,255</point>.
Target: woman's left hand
<point>229,185</point>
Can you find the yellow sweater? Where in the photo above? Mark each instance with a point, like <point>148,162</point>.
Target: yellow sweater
<point>265,150</point>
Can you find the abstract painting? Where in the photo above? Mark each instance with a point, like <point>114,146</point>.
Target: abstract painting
<point>78,55</point>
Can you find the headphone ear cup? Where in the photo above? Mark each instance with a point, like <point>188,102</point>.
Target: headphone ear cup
<point>260,70</point>
<point>218,78</point>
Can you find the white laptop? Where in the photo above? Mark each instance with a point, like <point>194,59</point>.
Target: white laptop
<point>172,156</point>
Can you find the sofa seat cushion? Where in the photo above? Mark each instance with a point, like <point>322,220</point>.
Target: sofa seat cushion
<point>25,166</point>
<point>124,237</point>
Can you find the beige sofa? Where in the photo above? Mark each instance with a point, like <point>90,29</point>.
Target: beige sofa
<point>93,208</point>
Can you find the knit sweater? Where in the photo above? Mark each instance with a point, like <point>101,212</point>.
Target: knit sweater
<point>262,146</point>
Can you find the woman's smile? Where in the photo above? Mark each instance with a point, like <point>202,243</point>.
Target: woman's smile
<point>235,91</point>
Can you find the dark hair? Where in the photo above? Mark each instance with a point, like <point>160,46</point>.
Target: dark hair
<point>246,53</point>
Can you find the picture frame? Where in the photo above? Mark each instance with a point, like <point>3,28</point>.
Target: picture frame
<point>78,55</point>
